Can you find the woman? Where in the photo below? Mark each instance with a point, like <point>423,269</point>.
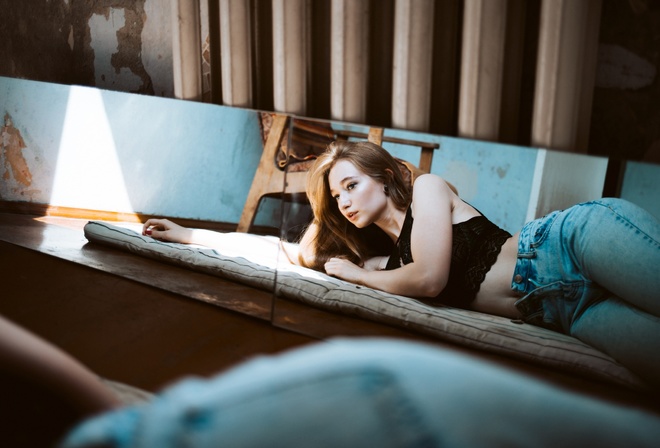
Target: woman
<point>590,271</point>
<point>356,186</point>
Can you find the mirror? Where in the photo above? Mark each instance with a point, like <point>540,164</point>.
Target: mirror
<point>196,163</point>
<point>132,157</point>
<point>509,184</point>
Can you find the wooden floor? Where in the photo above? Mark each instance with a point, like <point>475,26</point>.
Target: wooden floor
<point>147,324</point>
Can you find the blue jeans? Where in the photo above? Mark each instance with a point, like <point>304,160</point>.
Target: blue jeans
<point>593,271</point>
<point>368,392</point>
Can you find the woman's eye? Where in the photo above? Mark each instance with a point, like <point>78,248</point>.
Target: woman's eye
<point>350,186</point>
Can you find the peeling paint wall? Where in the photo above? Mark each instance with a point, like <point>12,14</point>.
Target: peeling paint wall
<point>122,45</point>
<point>157,47</point>
<point>112,42</point>
<point>34,41</point>
<point>88,148</point>
<point>12,146</point>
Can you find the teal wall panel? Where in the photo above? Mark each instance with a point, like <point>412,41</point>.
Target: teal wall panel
<point>89,148</point>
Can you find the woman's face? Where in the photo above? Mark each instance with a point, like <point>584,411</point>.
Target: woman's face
<point>360,198</point>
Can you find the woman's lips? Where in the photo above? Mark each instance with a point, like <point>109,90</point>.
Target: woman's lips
<point>351,215</point>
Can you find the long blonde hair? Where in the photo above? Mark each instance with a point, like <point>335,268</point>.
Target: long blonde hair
<point>335,236</point>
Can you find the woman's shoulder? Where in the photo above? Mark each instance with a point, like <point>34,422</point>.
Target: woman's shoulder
<point>432,183</point>
<point>431,195</point>
<point>435,194</point>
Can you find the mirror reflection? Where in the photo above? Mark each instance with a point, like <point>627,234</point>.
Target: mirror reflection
<point>510,185</point>
<point>247,179</point>
<point>122,159</point>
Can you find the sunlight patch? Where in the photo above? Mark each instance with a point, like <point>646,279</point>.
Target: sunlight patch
<point>88,174</point>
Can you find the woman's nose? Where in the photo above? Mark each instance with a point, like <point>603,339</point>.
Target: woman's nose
<point>344,201</point>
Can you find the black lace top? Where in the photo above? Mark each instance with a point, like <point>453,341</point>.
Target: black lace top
<point>476,243</point>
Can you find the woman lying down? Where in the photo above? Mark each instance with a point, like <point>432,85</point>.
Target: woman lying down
<point>590,271</point>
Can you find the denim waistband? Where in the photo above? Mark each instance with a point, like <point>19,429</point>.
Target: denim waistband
<point>526,253</point>
<point>523,281</point>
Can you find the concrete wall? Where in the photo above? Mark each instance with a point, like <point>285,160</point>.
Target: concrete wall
<point>96,149</point>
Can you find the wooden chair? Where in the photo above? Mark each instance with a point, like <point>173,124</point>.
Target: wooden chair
<point>270,179</point>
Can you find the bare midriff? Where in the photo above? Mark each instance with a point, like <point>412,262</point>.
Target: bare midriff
<point>495,295</point>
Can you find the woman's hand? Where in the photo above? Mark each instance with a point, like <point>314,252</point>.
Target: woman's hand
<point>376,263</point>
<point>344,269</point>
<point>164,229</point>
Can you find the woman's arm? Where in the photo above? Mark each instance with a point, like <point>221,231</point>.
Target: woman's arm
<point>166,230</point>
<point>36,362</point>
<point>431,241</point>
<point>254,247</point>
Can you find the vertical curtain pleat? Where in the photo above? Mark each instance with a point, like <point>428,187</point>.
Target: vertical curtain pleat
<point>236,51</point>
<point>349,60</point>
<point>187,50</point>
<point>517,71</point>
<point>411,71</point>
<point>560,73</point>
<point>290,47</point>
<point>484,26</point>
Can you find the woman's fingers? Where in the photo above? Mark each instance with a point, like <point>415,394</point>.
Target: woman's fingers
<point>166,230</point>
<point>156,225</point>
<point>339,267</point>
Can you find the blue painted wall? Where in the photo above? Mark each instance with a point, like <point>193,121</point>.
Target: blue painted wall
<point>96,149</point>
<point>88,148</point>
<point>641,185</point>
